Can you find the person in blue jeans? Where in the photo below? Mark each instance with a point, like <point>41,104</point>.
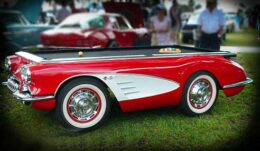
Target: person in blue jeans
<point>211,26</point>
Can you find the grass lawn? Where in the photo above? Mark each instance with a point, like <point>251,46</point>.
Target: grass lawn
<point>246,37</point>
<point>164,128</point>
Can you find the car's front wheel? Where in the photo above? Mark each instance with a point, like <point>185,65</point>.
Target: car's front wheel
<point>200,93</point>
<point>83,104</point>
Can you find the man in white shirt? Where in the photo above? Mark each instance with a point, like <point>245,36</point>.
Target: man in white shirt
<point>211,26</point>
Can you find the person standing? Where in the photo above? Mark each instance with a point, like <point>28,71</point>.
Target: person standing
<point>63,12</point>
<point>175,14</point>
<point>160,27</point>
<point>211,26</point>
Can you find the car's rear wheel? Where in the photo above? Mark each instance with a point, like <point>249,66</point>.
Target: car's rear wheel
<point>83,104</point>
<point>200,93</point>
<point>112,44</point>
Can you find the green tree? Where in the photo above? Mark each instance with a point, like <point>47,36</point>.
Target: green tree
<point>191,5</point>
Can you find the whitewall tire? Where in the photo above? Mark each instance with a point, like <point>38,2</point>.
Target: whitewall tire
<point>200,94</point>
<point>83,104</point>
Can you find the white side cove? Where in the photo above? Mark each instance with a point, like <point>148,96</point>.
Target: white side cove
<point>135,86</point>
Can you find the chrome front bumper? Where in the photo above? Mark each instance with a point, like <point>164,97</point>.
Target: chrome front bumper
<point>242,83</point>
<point>23,97</point>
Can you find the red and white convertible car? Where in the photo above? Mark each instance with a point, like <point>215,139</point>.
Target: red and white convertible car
<point>93,29</point>
<point>77,86</point>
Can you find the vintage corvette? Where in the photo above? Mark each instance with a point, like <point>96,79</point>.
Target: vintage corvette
<point>77,83</point>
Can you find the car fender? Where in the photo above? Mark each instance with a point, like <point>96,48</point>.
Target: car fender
<point>225,72</point>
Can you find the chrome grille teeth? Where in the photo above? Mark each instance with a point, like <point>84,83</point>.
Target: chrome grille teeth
<point>13,84</point>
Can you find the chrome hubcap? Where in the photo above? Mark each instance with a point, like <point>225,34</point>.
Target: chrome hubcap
<point>83,105</point>
<point>200,93</point>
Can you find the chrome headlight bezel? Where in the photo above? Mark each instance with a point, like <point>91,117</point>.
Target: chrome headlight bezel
<point>7,64</point>
<point>26,74</point>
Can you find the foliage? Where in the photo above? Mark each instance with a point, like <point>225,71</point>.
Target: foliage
<point>190,7</point>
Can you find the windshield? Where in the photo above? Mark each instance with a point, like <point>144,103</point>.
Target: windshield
<point>13,19</point>
<point>83,23</point>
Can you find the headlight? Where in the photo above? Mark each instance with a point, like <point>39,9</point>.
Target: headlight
<point>26,74</point>
<point>7,64</point>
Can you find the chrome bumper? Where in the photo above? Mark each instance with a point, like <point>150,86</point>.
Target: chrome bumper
<point>25,97</point>
<point>243,83</point>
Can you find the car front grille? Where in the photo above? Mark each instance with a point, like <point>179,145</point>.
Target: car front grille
<point>13,84</point>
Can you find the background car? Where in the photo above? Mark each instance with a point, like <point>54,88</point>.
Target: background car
<point>92,29</point>
<point>19,30</point>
